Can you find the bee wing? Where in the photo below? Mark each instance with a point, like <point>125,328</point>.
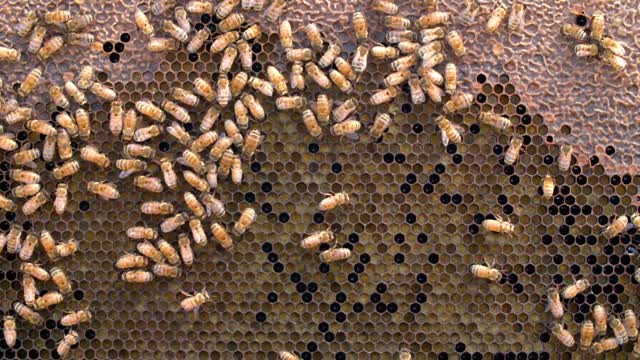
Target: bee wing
<point>180,160</point>
<point>125,174</point>
<point>8,135</point>
<point>30,165</point>
<point>352,136</point>
<point>444,138</point>
<point>460,129</point>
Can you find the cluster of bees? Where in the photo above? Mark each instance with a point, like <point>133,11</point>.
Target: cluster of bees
<point>325,236</point>
<point>594,42</point>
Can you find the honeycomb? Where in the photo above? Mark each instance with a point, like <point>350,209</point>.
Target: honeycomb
<point>414,224</point>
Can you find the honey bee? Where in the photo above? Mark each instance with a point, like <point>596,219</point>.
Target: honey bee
<point>76,317</point>
<point>214,206</point>
<point>137,276</point>
<point>60,279</point>
<point>486,272</point>
<point>385,52</point>
<point>67,248</point>
<point>343,111</point>
<point>224,8</point>
<point>384,96</point>
<point>128,261</point>
<point>186,252</point>
<point>19,114</point>
<point>278,80</point>
<point>142,22</point>
<point>50,47</point>
<point>26,24</point>
<point>224,91</point>
<point>172,223</point>
<point>169,252</point>
<point>7,204</point>
<point>199,7</point>
<point>496,18</point>
<point>193,302</point>
<point>153,112</point>
<point>619,332</point>
<point>236,170</point>
<point>574,289</point>
<point>210,118</point>
<point>574,31</point>
<point>129,166</point>
<point>62,198</point>
<point>178,112</point>
<point>24,176</point>
<point>226,161</point>
<point>28,314</point>
<point>246,55</point>
<point>68,123</point>
<point>203,88</point>
<point>406,62</point>
<point>9,330</point>
<point>630,321</point>
<point>158,44</point>
<point>205,140</point>
<point>341,82</point>
<point>198,40</point>
<point>604,345</point>
<point>194,205</point>
<point>25,156</point>
<point>182,18</point>
<point>359,61</point>
<point>380,125</point>
<point>499,226</point>
<point>184,96</point>
<point>9,54</point>
<point>597,28</point>
<point>73,91</point>
<point>85,77</point>
<point>105,190</point>
<point>491,119</point>
<point>30,82</point>
<point>324,105</point>
<point>563,335</point>
<point>147,249</point>
<point>175,31</point>
<point>433,60</point>
<point>23,191</point>
<point>27,247</point>
<point>221,236</point>
<point>318,75</point>
<point>564,159</point>
<point>233,22</point>
<point>142,233</point>
<point>165,270</point>
<point>433,19</point>
<point>405,354</point>
<point>511,155</point>
<point>7,142</point>
<point>462,101</point>
<point>238,83</point>
<point>35,202</point>
<point>331,201</point>
<point>616,227</point>
<point>116,118</point>
<point>48,244</point>
<point>103,91</point>
<point>41,127</point>
<point>586,335</point>
<point>317,238</point>
<point>554,305</point>
<point>615,61</point>
<point>304,54</point>
<point>34,270</point>
<point>223,41</point>
<point>451,78</point>
<point>516,17</point>
<point>83,122</point>
<point>408,47</point>
<point>586,50</point>
<point>255,108</point>
<point>197,231</point>
<point>360,26</point>
<point>347,127</point>
<point>427,51</point>
<point>261,85</point>
<point>57,96</point>
<point>396,22</point>
<point>600,319</point>
<point>417,95</point>
<point>548,187</point>
<point>314,36</point>
<point>56,16</point>
<point>385,7</point>
<point>151,184</point>
<point>228,58</point>
<point>146,133</point>
<point>156,208</point>
<point>220,147</point>
<point>252,141</point>
<point>247,218</point>
<point>291,102</point>
<point>128,125</point>
<point>80,39</point>
<point>332,255</point>
<point>242,115</point>
<point>169,175</point>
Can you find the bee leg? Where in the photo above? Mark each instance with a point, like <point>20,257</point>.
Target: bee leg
<point>326,194</point>
<point>185,293</point>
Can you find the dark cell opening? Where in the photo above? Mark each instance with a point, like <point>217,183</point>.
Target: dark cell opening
<point>261,317</point>
<point>457,159</point>
<point>481,78</point>
<point>399,158</point>
<point>266,208</point>
<point>406,108</point>
<point>78,294</point>
<point>526,119</point>
<point>417,128</point>
<point>107,46</point>
<point>352,278</point>
<point>119,47</point>
<point>125,37</point>
<point>193,57</point>
<point>354,238</point>
<point>387,158</point>
<point>164,146</point>
<point>114,57</point>
<point>256,67</point>
<point>581,20</point>
<point>474,129</point>
<point>411,178</point>
<point>610,150</point>
<point>521,109</point>
<point>411,218</point>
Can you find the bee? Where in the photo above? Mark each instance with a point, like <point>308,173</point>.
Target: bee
<point>27,247</point>
<point>156,208</point>
<point>408,47</point>
<point>50,47</point>
<point>205,140</point>
<point>331,201</point>
<point>496,18</point>
<point>343,111</point>
<point>360,26</point>
<point>285,355</point>
<point>619,331</point>
<point>220,147</point>
<point>129,166</point>
<point>615,61</point>
<point>151,184</point>
<point>164,270</point>
<point>238,83</point>
<point>172,223</point>
<point>433,60</point>
<point>178,112</point>
<point>499,226</point>
<point>242,115</point>
<point>85,77</point>
<point>199,7</point>
<point>175,31</point>
<point>26,24</point>
<point>255,108</point>
<point>19,114</point>
<point>604,345</point>
<point>91,154</point>
<point>145,107</point>
<point>62,198</point>
<point>597,28</point>
<point>67,169</point>
<point>3,241</point>
<point>317,238</point>
<point>158,44</point>
<point>600,319</point>
<point>30,82</point>
<point>9,330</point>
<point>142,233</point>
<point>56,16</point>
<point>586,50</point>
<point>233,132</point>
<point>35,202</point>
<point>345,68</point>
<point>233,22</point>
<point>359,61</point>
<point>182,18</point>
<point>128,125</point>
<point>7,204</point>
<point>304,54</point>
<point>586,335</point>
<point>554,304</point>
<point>329,56</point>
<point>462,101</point>
<point>203,88</point>
<point>495,121</point>
<point>417,95</point>
<point>103,91</point>
<point>128,261</point>
<point>450,78</point>
<point>396,22</point>
<point>431,74</point>
<point>341,82</point>
<point>83,122</point>
<point>563,335</point>
<point>574,31</point>
<point>73,91</point>
<point>25,156</point>
<point>252,141</point>
<point>76,317</point>
<point>286,34</point>
<point>261,85</point>
<point>169,252</point>
<point>224,8</point>
<point>142,22</point>
<point>34,271</point>
<point>318,75</point>
<point>236,170</point>
<point>169,175</point>
<point>197,231</point>
<point>548,187</point>
<point>28,314</point>
<point>67,248</point>
<point>212,177</point>
<point>214,206</point>
<point>486,272</point>
<point>405,354</point>
<point>48,244</point>
<point>186,252</point>
<point>396,36</point>
<point>385,7</point>
<point>146,133</point>
<point>147,249</point>
<point>137,276</point>
<point>380,125</point>
<point>384,96</point>
<point>210,118</point>
<point>60,279</point>
<point>68,123</point>
<point>198,40</point>
<point>574,289</point>
<point>226,161</point>
<point>385,52</point>
<point>247,218</point>
<point>193,302</point>
<point>221,236</point>
<point>9,54</point>
<point>346,128</point>
<point>7,142</point>
<point>194,205</point>
<point>630,321</point>
<point>224,91</point>
<point>324,105</point>
<point>24,176</point>
<point>105,190</point>
<point>314,36</point>
<point>23,191</point>
<point>57,96</point>
<point>80,39</point>
<point>184,96</point>
<point>404,62</point>
<point>516,17</point>
<point>246,55</point>
<point>223,41</point>
<point>228,58</point>
<point>511,155</point>
<point>290,102</point>
<point>332,255</point>
<point>278,80</point>
<point>616,227</point>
